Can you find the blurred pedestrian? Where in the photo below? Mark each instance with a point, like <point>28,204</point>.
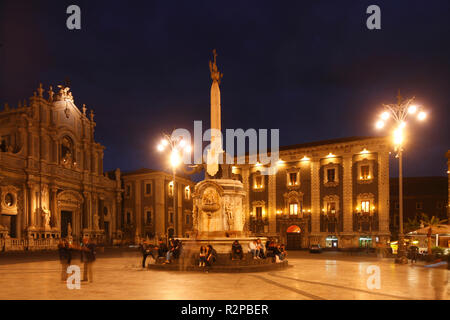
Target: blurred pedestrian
<point>147,250</point>
<point>88,257</point>
<point>65,257</point>
<point>414,252</point>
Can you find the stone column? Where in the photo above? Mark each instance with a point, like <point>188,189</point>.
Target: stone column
<point>24,219</point>
<point>383,191</point>
<point>101,204</point>
<point>315,196</point>
<point>347,194</point>
<point>180,213</point>
<point>160,227</point>
<point>272,205</point>
<point>245,201</point>
<point>138,207</point>
<point>54,207</point>
<point>94,211</point>
<point>118,211</point>
<point>32,204</point>
<point>87,211</point>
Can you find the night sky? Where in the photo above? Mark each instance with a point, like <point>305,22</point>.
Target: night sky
<point>311,69</point>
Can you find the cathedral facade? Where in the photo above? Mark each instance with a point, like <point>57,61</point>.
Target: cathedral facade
<point>334,193</point>
<point>52,183</point>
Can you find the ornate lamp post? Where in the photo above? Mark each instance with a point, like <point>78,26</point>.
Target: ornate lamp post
<point>176,146</point>
<point>399,113</point>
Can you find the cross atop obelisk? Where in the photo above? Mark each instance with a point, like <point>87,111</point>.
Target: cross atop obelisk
<point>216,140</point>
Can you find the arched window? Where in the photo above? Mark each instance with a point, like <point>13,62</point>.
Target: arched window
<point>67,151</point>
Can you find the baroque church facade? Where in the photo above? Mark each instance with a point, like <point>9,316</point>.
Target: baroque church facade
<point>52,182</point>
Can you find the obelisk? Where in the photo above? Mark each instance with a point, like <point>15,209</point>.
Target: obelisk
<point>216,141</point>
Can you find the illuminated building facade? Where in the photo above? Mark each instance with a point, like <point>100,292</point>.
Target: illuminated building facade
<point>52,182</point>
<point>148,204</point>
<point>334,193</point>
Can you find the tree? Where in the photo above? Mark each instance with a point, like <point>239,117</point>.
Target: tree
<point>435,223</point>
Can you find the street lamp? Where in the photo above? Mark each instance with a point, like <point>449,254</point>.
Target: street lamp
<point>177,147</point>
<point>399,113</point>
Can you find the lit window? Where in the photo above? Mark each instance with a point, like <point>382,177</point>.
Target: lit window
<point>9,200</point>
<point>365,206</point>
<point>365,173</point>
<point>148,188</point>
<point>331,175</point>
<point>258,182</point>
<point>293,179</point>
<point>171,188</point>
<point>187,192</point>
<point>258,212</point>
<point>293,208</point>
<point>331,207</point>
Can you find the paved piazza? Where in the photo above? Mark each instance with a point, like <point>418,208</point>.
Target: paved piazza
<point>322,276</point>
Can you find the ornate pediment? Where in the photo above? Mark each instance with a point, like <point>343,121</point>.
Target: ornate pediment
<point>70,198</point>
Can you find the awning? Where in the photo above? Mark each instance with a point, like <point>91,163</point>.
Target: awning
<point>294,229</point>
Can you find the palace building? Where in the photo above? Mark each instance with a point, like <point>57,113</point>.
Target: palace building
<point>334,193</point>
<point>52,182</point>
<point>148,204</point>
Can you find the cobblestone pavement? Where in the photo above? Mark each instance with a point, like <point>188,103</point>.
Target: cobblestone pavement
<point>321,276</point>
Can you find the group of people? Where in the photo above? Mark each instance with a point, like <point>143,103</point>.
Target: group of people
<point>87,253</point>
<point>259,251</point>
<point>170,253</point>
<point>208,255</point>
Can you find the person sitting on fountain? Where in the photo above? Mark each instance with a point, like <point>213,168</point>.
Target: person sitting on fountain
<point>162,248</point>
<point>171,252</point>
<point>178,245</point>
<point>236,251</point>
<point>269,248</point>
<point>278,254</point>
<point>211,255</point>
<point>283,252</point>
<point>260,247</point>
<point>202,261</point>
<point>253,248</point>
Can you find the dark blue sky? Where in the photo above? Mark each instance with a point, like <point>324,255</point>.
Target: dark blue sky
<point>311,69</point>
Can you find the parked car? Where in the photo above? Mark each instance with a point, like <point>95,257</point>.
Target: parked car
<point>315,248</point>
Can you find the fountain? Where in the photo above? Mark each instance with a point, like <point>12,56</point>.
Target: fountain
<point>218,214</point>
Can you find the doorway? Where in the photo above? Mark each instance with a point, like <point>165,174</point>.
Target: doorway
<point>332,242</point>
<point>66,218</point>
<point>293,238</point>
<point>13,226</point>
